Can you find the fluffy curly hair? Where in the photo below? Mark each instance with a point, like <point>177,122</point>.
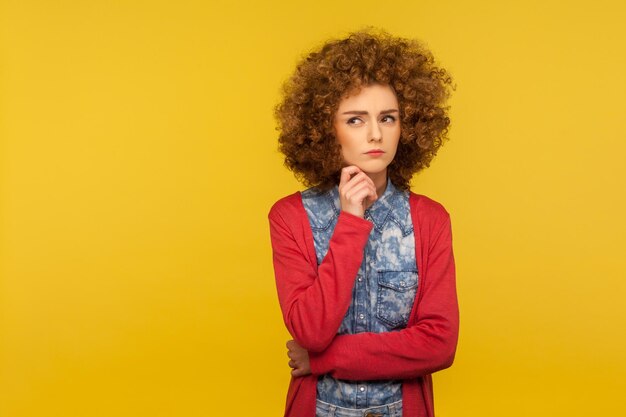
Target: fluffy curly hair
<point>340,68</point>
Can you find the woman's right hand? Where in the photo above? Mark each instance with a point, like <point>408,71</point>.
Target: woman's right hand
<point>355,192</point>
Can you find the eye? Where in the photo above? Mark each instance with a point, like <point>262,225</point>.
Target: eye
<point>388,119</point>
<point>354,121</point>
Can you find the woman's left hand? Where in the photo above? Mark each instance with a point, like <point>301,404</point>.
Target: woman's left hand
<point>299,359</point>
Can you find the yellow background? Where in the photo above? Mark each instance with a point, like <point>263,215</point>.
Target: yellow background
<point>138,163</point>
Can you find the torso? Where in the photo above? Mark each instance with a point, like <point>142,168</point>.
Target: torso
<point>384,289</point>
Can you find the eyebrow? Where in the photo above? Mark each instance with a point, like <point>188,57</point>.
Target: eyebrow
<point>363,112</point>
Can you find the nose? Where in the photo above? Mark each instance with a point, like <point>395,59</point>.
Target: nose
<point>376,134</point>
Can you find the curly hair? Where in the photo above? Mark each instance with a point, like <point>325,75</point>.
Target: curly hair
<point>340,68</point>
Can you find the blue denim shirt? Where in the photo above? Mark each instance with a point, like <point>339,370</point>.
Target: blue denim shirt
<point>384,289</point>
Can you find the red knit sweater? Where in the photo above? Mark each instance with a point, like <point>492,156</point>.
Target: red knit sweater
<point>315,299</point>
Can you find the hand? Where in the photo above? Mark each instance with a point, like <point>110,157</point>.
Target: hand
<point>356,191</point>
<point>299,359</point>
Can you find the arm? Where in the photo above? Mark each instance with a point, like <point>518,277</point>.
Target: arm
<point>314,303</point>
<point>425,347</point>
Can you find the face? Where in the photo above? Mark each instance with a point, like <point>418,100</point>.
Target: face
<point>367,126</point>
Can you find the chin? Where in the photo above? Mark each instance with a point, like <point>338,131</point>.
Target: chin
<point>373,168</point>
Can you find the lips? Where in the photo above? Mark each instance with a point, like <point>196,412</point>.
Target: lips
<point>375,152</point>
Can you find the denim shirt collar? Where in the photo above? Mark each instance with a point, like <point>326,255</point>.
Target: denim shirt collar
<point>378,213</point>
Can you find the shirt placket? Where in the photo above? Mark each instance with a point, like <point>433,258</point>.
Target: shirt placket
<point>363,311</point>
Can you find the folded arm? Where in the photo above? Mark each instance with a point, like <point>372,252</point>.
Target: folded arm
<point>314,303</point>
<point>424,347</point>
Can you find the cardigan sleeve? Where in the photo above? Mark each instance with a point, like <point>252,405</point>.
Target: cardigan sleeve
<point>313,303</point>
<point>422,348</point>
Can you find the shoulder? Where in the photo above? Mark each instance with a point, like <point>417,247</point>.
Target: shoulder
<point>431,220</point>
<point>426,208</point>
<point>288,206</point>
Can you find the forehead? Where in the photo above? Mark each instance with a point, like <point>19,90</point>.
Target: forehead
<point>370,96</point>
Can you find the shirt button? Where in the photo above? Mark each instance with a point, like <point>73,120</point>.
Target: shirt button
<point>402,283</point>
<point>360,279</point>
<point>361,316</point>
<point>361,389</point>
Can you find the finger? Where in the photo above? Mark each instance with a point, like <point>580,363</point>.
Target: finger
<point>360,192</point>
<point>346,172</point>
<point>365,196</point>
<point>356,180</point>
<point>291,354</point>
<point>355,194</point>
<point>360,175</point>
<point>292,364</point>
<point>290,343</point>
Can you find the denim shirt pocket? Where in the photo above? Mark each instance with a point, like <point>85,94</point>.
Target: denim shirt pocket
<point>396,293</point>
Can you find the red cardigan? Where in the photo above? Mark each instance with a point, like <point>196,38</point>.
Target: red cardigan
<point>315,299</point>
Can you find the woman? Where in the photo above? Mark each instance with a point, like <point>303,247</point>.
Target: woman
<point>364,267</point>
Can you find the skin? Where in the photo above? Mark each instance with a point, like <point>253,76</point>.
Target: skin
<point>366,120</point>
<point>298,359</point>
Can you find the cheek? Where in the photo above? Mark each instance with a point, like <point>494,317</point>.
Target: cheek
<point>345,137</point>
<point>398,133</point>
<point>396,142</point>
<point>393,134</point>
